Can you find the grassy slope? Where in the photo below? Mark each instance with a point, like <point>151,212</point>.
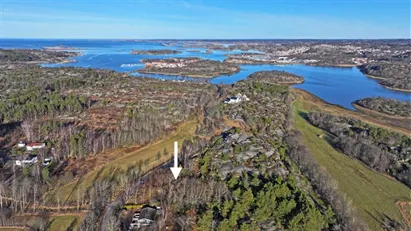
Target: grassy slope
<point>373,194</point>
<point>63,222</point>
<point>185,131</point>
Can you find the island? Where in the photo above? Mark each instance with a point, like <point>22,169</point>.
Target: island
<point>276,77</point>
<point>190,67</point>
<point>390,107</point>
<point>154,52</point>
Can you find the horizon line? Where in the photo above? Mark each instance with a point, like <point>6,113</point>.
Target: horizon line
<point>211,39</point>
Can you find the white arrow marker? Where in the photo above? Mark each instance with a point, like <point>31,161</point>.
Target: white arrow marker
<point>175,170</point>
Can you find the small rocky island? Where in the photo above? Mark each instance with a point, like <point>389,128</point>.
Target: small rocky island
<point>276,77</point>
<point>154,52</point>
<point>190,67</point>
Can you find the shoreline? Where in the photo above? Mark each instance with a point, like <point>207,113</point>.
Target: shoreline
<point>320,104</point>
<point>374,77</point>
<point>366,110</point>
<point>292,83</point>
<point>397,89</point>
<point>391,88</point>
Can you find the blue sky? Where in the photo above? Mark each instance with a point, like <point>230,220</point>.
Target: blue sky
<point>208,19</point>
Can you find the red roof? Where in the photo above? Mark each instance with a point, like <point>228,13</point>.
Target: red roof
<point>34,144</point>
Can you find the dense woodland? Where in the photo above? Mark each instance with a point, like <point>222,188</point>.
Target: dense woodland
<point>390,107</point>
<point>280,77</point>
<point>394,75</point>
<point>380,149</point>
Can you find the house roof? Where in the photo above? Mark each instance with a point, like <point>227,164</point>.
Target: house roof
<point>34,144</point>
<point>148,213</point>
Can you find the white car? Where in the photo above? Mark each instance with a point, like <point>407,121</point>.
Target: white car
<point>136,217</point>
<point>47,161</point>
<point>134,224</point>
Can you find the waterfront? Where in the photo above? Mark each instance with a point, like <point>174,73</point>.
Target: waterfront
<point>335,85</point>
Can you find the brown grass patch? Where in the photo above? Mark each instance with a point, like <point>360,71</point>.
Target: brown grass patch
<point>405,209</point>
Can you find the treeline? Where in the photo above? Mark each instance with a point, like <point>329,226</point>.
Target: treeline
<point>323,183</point>
<point>22,77</point>
<point>36,102</point>
<point>380,149</point>
<point>387,106</point>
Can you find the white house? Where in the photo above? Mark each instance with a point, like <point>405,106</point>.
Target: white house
<point>32,146</point>
<point>236,99</point>
<point>21,144</point>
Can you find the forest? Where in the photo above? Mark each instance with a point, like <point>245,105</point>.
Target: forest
<point>279,77</point>
<point>390,107</point>
<point>393,75</point>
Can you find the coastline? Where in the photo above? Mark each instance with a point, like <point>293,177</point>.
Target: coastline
<point>315,103</point>
<point>292,83</point>
<point>396,89</point>
<point>382,78</point>
<point>280,83</point>
<point>366,110</point>
<point>374,77</point>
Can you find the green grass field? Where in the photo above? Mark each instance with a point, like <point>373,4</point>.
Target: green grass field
<point>63,223</point>
<point>68,193</point>
<point>373,194</point>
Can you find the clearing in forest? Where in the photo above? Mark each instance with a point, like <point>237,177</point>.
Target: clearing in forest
<point>374,195</point>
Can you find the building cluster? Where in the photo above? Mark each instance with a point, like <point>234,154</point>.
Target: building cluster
<point>29,158</point>
<point>360,61</point>
<point>236,99</point>
<point>292,51</point>
<point>144,218</point>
